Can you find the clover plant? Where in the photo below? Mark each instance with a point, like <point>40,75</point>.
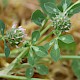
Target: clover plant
<point>54,15</point>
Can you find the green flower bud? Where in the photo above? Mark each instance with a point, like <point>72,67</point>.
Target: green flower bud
<point>61,22</point>
<point>15,35</point>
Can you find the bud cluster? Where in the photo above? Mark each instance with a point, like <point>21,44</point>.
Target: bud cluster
<point>61,22</point>
<point>15,35</point>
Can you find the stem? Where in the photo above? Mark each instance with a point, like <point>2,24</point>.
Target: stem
<point>72,6</point>
<point>46,29</point>
<point>64,57</point>
<point>46,20</point>
<point>45,38</point>
<point>13,64</point>
<point>18,77</point>
<point>70,57</point>
<point>25,65</point>
<point>2,55</point>
<point>16,51</point>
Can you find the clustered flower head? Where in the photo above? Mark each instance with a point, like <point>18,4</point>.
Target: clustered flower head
<point>15,35</point>
<point>61,22</point>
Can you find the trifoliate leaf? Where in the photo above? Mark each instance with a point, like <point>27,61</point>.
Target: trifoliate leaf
<point>6,49</point>
<point>55,51</point>
<point>2,27</point>
<point>66,39</point>
<point>40,51</point>
<point>76,68</point>
<point>35,36</point>
<point>42,69</point>
<point>38,17</point>
<point>29,72</point>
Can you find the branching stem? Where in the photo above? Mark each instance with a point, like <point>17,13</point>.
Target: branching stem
<point>16,60</point>
<point>45,38</point>
<point>18,77</point>
<point>42,32</point>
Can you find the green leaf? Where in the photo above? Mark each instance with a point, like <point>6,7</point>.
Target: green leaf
<point>51,8</point>
<point>2,27</point>
<point>68,49</point>
<point>35,36</point>
<point>46,46</point>
<point>55,51</point>
<point>42,2</point>
<point>31,57</point>
<point>42,69</point>
<point>76,68</point>
<point>66,39</point>
<point>36,58</point>
<point>49,44</point>
<point>29,72</point>
<point>38,17</point>
<point>6,49</point>
<point>65,4</point>
<point>75,9</point>
<point>40,51</point>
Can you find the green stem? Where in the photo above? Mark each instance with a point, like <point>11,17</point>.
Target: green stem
<point>18,77</point>
<point>42,32</point>
<point>2,55</point>
<point>16,51</point>
<point>72,6</point>
<point>46,20</point>
<point>65,57</point>
<point>70,57</point>
<point>45,38</point>
<point>25,65</point>
<point>13,64</point>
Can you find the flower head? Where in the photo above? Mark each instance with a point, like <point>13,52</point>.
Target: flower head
<point>61,22</point>
<point>15,35</point>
